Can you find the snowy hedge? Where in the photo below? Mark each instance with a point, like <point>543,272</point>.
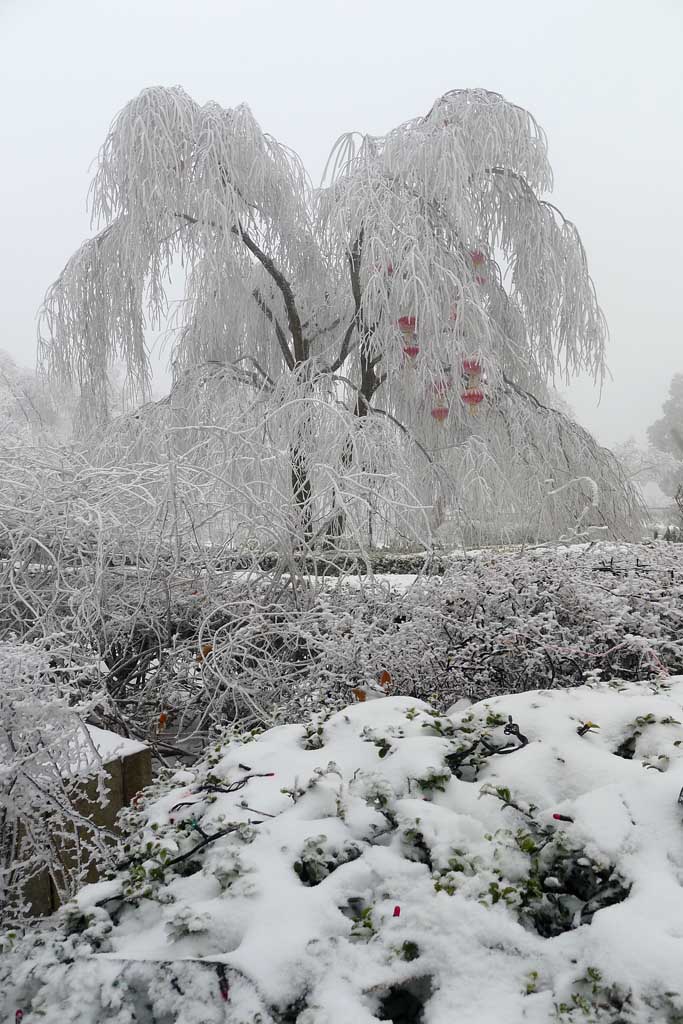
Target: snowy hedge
<point>496,622</point>
<point>518,860</point>
<point>205,647</point>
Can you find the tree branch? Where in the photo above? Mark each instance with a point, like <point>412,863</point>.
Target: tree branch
<point>282,341</point>
<point>383,412</point>
<point>285,288</point>
<point>357,320</point>
<point>293,318</point>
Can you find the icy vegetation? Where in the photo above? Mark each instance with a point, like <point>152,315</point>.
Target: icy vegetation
<point>517,860</point>
<point>206,644</point>
<point>443,796</point>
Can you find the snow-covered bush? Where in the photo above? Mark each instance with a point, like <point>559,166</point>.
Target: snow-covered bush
<point>203,634</point>
<point>495,622</point>
<point>516,861</point>
<point>46,756</point>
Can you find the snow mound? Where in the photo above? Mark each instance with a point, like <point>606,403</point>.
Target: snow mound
<point>519,860</point>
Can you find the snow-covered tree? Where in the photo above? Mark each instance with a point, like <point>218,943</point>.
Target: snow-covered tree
<point>666,436</point>
<point>401,322</point>
<point>26,406</point>
<point>647,464</point>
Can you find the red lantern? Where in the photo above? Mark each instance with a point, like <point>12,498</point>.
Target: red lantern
<point>472,397</point>
<point>472,367</point>
<point>407,324</point>
<point>440,413</point>
<point>478,259</point>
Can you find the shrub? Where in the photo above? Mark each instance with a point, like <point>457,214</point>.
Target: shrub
<point>46,755</point>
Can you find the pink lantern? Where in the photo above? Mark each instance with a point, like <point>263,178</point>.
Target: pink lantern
<point>440,413</point>
<point>411,350</point>
<point>472,367</point>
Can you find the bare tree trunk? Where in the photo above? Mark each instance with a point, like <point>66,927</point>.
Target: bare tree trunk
<point>370,382</point>
<point>302,491</point>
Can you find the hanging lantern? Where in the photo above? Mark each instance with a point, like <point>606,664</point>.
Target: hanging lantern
<point>407,327</point>
<point>440,413</point>
<point>471,367</point>
<point>407,324</point>
<point>478,259</point>
<point>472,397</point>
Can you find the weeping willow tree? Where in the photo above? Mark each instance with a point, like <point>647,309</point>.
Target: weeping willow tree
<point>381,345</point>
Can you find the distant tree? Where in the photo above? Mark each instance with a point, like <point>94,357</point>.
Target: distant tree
<point>425,281</point>
<point>24,405</point>
<point>666,433</point>
<point>645,464</point>
<point>666,436</point>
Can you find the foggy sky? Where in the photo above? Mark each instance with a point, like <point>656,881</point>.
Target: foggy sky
<point>603,77</point>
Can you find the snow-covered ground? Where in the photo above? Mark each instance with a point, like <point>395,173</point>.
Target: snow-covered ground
<point>520,860</point>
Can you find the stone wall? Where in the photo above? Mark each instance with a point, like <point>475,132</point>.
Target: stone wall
<point>128,773</point>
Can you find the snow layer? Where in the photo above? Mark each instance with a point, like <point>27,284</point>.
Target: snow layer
<point>110,746</point>
<point>393,863</point>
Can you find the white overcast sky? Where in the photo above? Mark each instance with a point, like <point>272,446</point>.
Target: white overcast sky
<point>603,77</point>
